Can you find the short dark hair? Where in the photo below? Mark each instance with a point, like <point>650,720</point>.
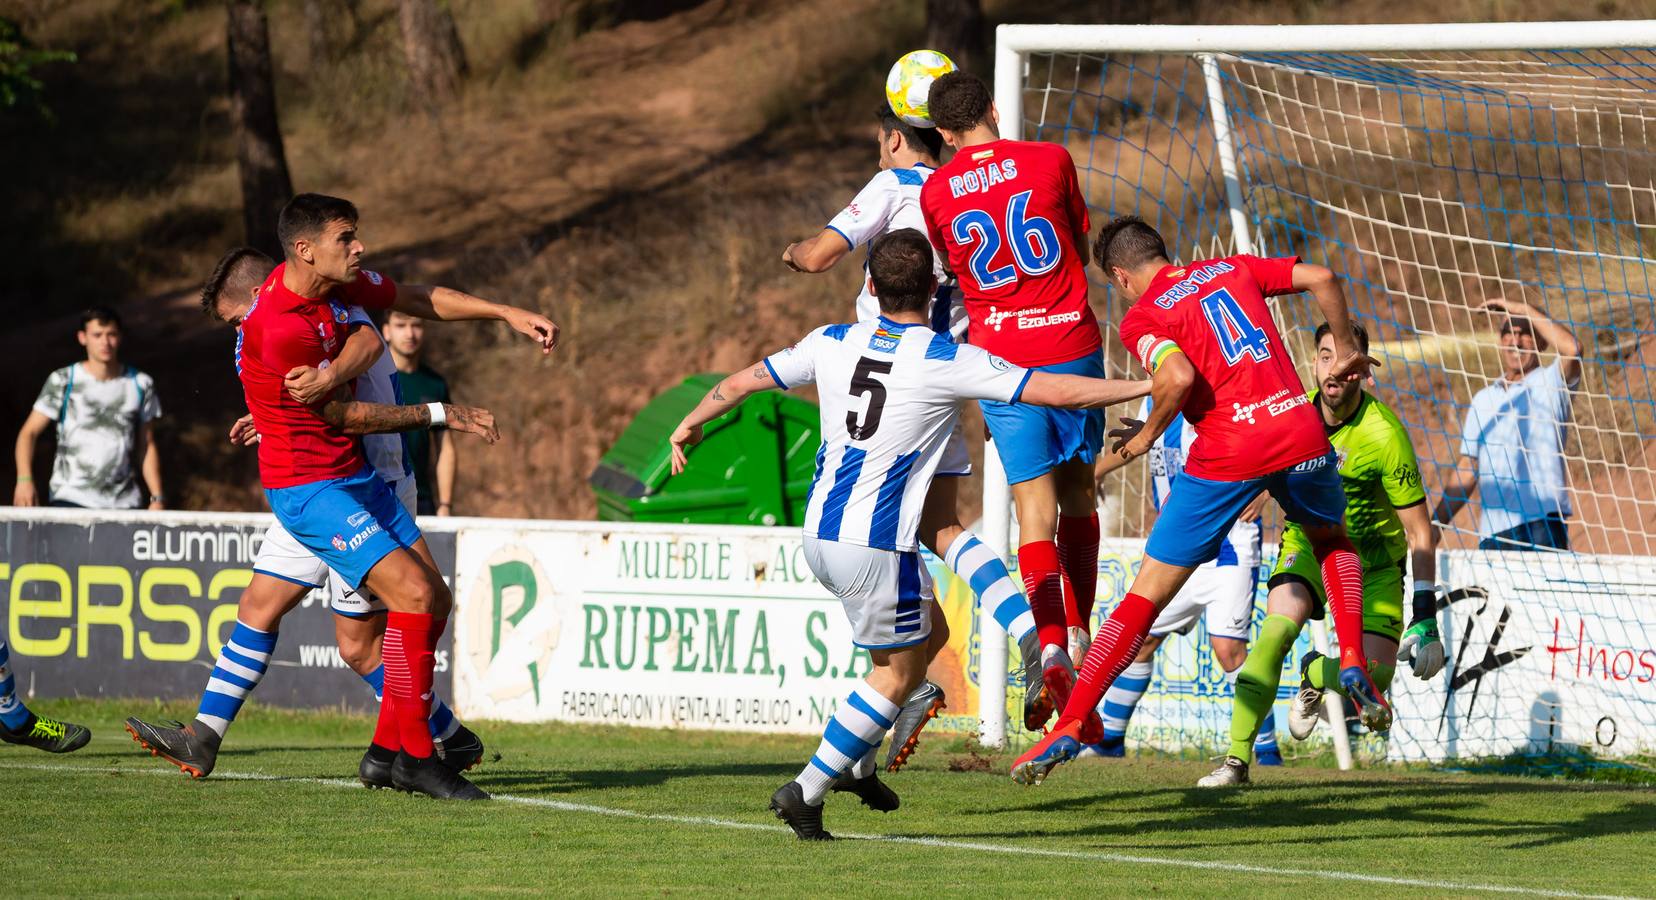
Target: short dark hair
<point>1128,242</point>
<point>900,262</point>
<point>234,269</point>
<point>99,314</point>
<point>920,140</point>
<point>958,101</point>
<point>1357,331</point>
<point>307,214</point>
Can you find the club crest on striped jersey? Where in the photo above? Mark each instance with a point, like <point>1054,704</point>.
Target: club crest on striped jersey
<point>883,340</point>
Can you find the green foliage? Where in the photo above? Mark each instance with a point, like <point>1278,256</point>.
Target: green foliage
<point>19,88</point>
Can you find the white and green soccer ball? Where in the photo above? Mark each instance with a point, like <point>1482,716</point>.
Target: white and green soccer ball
<point>909,82</point>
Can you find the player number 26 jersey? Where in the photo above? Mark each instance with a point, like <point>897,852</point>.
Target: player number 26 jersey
<point>889,396</point>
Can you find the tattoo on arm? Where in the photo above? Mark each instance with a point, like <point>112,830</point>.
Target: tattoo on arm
<point>760,374</point>
<point>355,417</point>
<point>718,395</point>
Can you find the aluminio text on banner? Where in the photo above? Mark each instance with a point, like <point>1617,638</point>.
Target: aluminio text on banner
<point>137,604</point>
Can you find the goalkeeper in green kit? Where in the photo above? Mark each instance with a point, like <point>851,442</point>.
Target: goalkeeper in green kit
<point>1388,520</point>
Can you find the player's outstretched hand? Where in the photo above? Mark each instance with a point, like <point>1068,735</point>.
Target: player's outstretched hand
<point>307,384</point>
<point>1354,366</point>
<point>471,420</point>
<point>1127,444</point>
<point>683,437</point>
<point>1502,306</point>
<point>244,433</point>
<point>536,327</point>
<point>1422,648</point>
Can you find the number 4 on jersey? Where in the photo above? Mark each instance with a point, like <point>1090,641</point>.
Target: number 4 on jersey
<point>1238,336</point>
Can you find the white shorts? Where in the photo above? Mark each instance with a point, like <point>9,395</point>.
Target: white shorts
<point>280,556</point>
<point>955,460</point>
<point>887,594</point>
<point>1223,594</point>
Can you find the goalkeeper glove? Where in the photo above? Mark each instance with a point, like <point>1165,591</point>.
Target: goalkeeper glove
<point>1421,647</point>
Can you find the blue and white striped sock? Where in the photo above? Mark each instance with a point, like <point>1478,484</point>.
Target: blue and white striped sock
<point>1122,698</point>
<point>241,664</point>
<point>993,584</point>
<point>443,722</point>
<point>13,714</point>
<point>853,733</point>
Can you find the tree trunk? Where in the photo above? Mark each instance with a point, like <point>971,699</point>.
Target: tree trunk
<point>259,157</point>
<point>431,44</point>
<point>956,27</point>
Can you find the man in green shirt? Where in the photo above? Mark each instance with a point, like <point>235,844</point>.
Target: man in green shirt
<point>419,383</point>
<point>1388,520</point>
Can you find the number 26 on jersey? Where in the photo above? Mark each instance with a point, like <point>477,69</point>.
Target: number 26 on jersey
<point>1033,240</point>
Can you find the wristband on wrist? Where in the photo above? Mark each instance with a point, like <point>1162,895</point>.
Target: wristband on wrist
<point>25,479</point>
<point>439,415</point>
<point>1425,600</point>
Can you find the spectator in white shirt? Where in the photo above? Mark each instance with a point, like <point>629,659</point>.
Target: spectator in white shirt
<point>1512,445</point>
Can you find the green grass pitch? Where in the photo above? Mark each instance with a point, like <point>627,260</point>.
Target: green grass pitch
<point>605,811</point>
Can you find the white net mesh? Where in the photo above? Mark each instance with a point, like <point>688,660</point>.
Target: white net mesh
<point>1433,182</point>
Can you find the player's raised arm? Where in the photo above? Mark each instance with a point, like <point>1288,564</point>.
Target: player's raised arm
<point>357,417</point>
<point>724,397</point>
<point>817,254</point>
<point>310,385</point>
<point>449,305</point>
<point>1324,285</point>
<point>1079,391</point>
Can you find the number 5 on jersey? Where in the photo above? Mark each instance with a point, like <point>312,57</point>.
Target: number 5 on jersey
<point>864,382</point>
<point>1035,247</point>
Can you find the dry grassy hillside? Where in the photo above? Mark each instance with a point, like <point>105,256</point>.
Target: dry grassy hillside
<point>634,170</point>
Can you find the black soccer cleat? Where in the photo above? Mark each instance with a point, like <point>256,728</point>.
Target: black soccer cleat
<point>462,751</point>
<point>806,820</point>
<point>430,777</point>
<point>193,748</point>
<point>47,734</point>
<point>874,793</point>
<point>375,769</point>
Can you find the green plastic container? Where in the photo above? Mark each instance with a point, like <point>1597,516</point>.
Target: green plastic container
<point>753,466</point>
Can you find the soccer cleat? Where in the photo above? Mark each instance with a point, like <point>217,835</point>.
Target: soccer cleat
<point>430,777</point>
<point>1038,707</point>
<point>1372,708</point>
<point>874,793</point>
<point>806,820</point>
<point>375,769</point>
<point>1307,706</point>
<point>47,734</point>
<point>462,751</point>
<point>1058,674</point>
<point>921,707</point>
<point>1232,772</point>
<point>1061,745</point>
<point>1080,641</point>
<point>1268,757</point>
<point>193,748</point>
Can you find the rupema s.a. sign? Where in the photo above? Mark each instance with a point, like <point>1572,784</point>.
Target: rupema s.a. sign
<point>137,604</point>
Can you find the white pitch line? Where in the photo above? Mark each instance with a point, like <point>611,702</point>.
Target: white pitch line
<point>942,843</point>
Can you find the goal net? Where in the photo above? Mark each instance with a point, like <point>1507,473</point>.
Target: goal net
<point>1433,179</point>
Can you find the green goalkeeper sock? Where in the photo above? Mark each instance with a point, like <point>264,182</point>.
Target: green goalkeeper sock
<point>1324,674</point>
<point>1256,682</point>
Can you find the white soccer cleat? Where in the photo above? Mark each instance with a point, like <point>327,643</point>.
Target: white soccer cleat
<point>1079,643</point>
<point>1306,709</point>
<point>1232,772</point>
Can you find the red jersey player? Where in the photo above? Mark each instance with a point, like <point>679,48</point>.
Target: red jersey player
<point>320,486</point>
<point>1010,218</point>
<point>1205,334</point>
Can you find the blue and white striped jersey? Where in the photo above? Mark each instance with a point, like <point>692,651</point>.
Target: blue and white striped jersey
<point>890,397</point>
<point>385,452</point>
<point>890,201</point>
<point>1238,548</point>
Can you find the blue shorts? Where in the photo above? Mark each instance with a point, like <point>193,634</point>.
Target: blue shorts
<point>1033,440</point>
<point>349,523</point>
<point>1199,513</point>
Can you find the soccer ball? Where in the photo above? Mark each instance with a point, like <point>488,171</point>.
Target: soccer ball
<point>910,80</point>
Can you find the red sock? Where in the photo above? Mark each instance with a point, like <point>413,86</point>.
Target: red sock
<point>409,639</point>
<point>1038,563</point>
<point>1118,641</point>
<point>1078,560</point>
<point>386,732</point>
<point>1342,574</point>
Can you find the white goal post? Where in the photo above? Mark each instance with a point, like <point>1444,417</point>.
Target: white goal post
<point>1435,166</point>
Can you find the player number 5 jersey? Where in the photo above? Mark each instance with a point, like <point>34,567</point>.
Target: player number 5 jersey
<point>889,396</point>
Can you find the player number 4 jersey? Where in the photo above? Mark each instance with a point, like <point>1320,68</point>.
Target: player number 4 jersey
<point>1012,220</point>
<point>889,396</point>
<point>1247,403</point>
